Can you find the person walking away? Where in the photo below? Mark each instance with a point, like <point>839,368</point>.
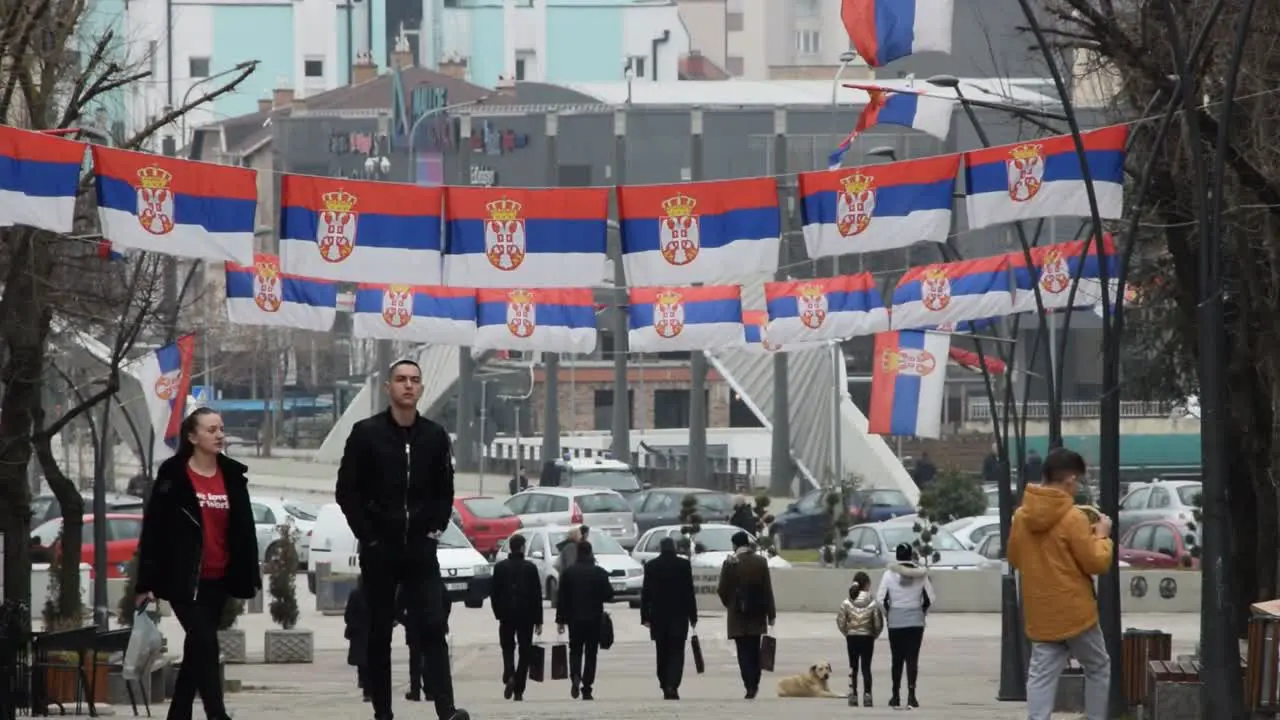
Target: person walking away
<point>861,620</point>
<point>744,517</point>
<point>198,547</point>
<point>1033,469</point>
<point>1058,553</point>
<point>925,471</point>
<point>746,591</point>
<point>356,618</point>
<point>669,608</point>
<point>992,472</point>
<point>905,593</point>
<point>584,589</point>
<point>516,598</point>
<point>395,487</point>
<point>568,548</point>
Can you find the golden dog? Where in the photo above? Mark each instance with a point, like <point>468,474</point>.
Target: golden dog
<point>809,684</point>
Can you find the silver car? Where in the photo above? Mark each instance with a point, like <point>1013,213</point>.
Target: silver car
<point>872,546</point>
<point>604,511</point>
<point>542,548</point>
<point>1174,500</point>
<point>270,513</point>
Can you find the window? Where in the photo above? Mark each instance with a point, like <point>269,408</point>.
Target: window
<point>671,408</point>
<point>538,504</point>
<point>810,503</point>
<point>733,22</point>
<point>659,502</point>
<point>1141,538</point>
<point>518,503</point>
<point>123,529</point>
<point>486,508</point>
<point>602,503</point>
<point>198,67</point>
<point>991,548</point>
<point>1136,500</point>
<point>539,544</point>
<point>1190,495</point>
<point>808,42</point>
<point>654,542</point>
<point>603,402</point>
<point>718,539</point>
<point>1159,498</point>
<point>740,415</point>
<point>558,504</point>
<point>806,8</point>
<point>735,66</point>
<point>1164,541</point>
<point>609,479</point>
<point>262,515</point>
<point>302,511</point>
<point>636,64</point>
<point>313,68</point>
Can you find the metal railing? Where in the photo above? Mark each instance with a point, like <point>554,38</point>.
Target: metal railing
<point>980,410</point>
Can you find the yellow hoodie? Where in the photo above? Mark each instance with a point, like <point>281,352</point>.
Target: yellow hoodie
<point>1053,546</point>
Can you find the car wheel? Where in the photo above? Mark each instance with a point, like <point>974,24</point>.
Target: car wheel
<point>551,591</point>
<point>779,540</point>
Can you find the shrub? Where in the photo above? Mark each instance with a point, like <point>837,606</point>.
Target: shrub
<point>835,543</point>
<point>953,496</point>
<point>232,611</point>
<point>926,529</point>
<point>284,569</point>
<point>690,525</point>
<point>764,524</point>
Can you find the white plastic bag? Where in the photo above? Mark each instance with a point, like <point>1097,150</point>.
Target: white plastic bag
<point>145,646</point>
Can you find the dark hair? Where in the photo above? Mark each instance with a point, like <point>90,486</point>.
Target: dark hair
<point>861,583</point>
<point>404,361</point>
<point>667,545</point>
<point>1062,463</point>
<point>904,552</point>
<point>189,425</point>
<point>516,544</point>
<point>740,539</point>
<point>585,553</point>
<point>584,530</point>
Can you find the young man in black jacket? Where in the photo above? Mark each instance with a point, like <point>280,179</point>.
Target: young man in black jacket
<point>669,608</point>
<point>395,486</point>
<point>584,589</point>
<point>516,599</point>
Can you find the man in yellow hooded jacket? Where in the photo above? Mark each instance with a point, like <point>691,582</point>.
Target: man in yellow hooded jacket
<point>1058,552</point>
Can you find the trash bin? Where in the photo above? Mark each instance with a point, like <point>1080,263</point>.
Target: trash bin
<point>1262,691</point>
<point>1139,647</point>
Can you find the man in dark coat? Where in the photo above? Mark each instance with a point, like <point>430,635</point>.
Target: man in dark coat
<point>516,598</point>
<point>925,472</point>
<point>1034,467</point>
<point>669,608</point>
<point>584,589</point>
<point>744,516</point>
<point>992,472</point>
<point>746,591</point>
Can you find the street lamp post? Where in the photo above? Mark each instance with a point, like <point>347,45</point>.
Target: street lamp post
<point>846,58</point>
<point>413,130</point>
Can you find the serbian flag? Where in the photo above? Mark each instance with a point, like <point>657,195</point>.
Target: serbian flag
<point>165,376</point>
<point>908,383</point>
<point>1054,269</point>
<point>914,109</point>
<point>507,237</point>
<point>108,253</point>
<point>969,360</point>
<point>556,320</point>
<point>1044,178</point>
<point>824,309</point>
<point>176,207</point>
<point>878,207</point>
<point>435,315</point>
<point>755,325</point>
<point>700,232</point>
<point>1134,296</point>
<point>884,30</point>
<point>260,294</point>
<point>39,176</point>
<point>359,231</point>
<point>685,319</point>
<point>932,295</point>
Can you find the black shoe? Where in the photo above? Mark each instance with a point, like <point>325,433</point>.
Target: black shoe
<point>894,701</point>
<point>459,714</point>
<point>573,691</point>
<point>751,693</point>
<point>912,702</point>
<point>508,690</point>
<point>519,697</point>
<point>853,698</point>
<point>866,699</point>
<point>413,696</point>
<point>586,694</point>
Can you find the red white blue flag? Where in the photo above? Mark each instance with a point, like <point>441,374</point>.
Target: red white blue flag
<point>885,30</point>
<point>908,383</point>
<point>260,294</point>
<point>39,175</point>
<point>825,309</point>
<point>935,295</point>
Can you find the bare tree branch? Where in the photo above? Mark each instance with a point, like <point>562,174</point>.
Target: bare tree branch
<point>175,113</point>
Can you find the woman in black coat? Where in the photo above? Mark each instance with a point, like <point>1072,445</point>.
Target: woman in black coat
<point>356,617</point>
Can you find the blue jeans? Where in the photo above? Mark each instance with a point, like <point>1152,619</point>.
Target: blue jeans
<point>1048,660</point>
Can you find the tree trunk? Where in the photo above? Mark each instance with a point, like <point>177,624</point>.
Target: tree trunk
<point>72,502</point>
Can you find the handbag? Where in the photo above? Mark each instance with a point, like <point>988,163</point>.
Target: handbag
<point>606,631</point>
<point>559,661</point>
<point>695,645</point>
<point>537,662</point>
<point>768,652</point>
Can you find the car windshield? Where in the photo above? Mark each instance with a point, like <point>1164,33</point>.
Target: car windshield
<point>601,503</point>
<point>716,539</point>
<point>887,498</point>
<point>716,502</point>
<point>612,479</point>
<point>600,544</point>
<point>47,534</point>
<point>452,537</point>
<point>1190,495</point>
<point>302,511</point>
<point>898,534</point>
<point>487,508</point>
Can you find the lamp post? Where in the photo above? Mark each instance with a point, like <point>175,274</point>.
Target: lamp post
<point>186,96</point>
<point>846,58</point>
<point>413,130</point>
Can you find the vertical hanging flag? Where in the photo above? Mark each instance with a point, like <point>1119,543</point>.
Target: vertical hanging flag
<point>878,207</point>
<point>509,237</point>
<point>165,376</point>
<point>755,326</point>
<point>1044,178</point>
<point>435,315</point>
<point>686,319</point>
<point>360,231</point>
<point>260,294</point>
<point>932,295</point>
<point>884,30</point>
<point>1054,269</point>
<point>908,383</point>
<point>559,320</point>
<point>824,309</point>
<point>914,109</point>
<point>39,175</point>
<point>701,232</point>
<point>176,207</point>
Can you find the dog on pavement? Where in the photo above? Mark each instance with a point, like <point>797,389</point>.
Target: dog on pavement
<point>812,683</point>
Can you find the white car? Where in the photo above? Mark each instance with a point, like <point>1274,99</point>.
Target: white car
<point>713,545</point>
<point>270,513</point>
<point>971,531</point>
<point>542,549</point>
<point>604,511</point>
<point>467,575</point>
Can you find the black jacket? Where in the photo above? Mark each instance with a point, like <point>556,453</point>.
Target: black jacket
<point>584,589</point>
<point>516,592</point>
<point>396,483</point>
<point>744,518</point>
<point>667,597</point>
<point>172,540</point>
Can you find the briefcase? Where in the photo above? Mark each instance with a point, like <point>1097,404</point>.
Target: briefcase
<point>537,662</point>
<point>699,664</point>
<point>559,661</point>
<point>768,652</point>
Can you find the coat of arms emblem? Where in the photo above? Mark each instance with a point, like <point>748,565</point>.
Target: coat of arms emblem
<point>668,314</point>
<point>336,234</point>
<point>679,233</point>
<point>397,305</point>
<point>811,306</point>
<point>267,293</point>
<point>764,340</point>
<point>1025,169</point>
<point>166,387</point>
<point>521,313</point>
<point>855,204</point>
<point>1055,275</point>
<point>504,234</point>
<point>155,200</point>
<point>908,361</point>
<point>935,289</point>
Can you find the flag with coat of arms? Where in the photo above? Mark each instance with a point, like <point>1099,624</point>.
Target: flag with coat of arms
<point>165,377</point>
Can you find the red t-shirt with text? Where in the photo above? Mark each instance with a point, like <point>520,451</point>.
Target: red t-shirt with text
<point>215,511</point>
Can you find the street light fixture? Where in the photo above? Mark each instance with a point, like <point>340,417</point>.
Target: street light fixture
<point>944,81</point>
<point>413,130</point>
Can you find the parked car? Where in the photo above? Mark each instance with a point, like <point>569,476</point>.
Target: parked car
<point>992,494</point>
<point>123,532</point>
<point>485,521</point>
<point>46,507</point>
<point>542,550</point>
<point>804,523</point>
<point>713,545</point>
<point>605,511</point>
<point>990,551</point>
<point>269,513</point>
<point>872,546</point>
<point>1159,544</point>
<point>594,473</point>
<point>661,506</point>
<point>1173,500</point>
<point>971,531</point>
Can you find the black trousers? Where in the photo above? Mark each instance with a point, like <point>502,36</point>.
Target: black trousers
<point>904,649</point>
<point>749,660</point>
<point>861,648</point>
<point>510,637</point>
<point>668,645</point>
<point>414,574</point>
<point>199,672</point>
<point>584,645</point>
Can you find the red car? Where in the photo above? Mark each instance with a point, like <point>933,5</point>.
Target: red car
<point>1158,544</point>
<point>123,532</point>
<point>485,521</point>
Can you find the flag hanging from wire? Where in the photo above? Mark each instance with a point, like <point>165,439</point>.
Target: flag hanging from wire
<point>909,108</point>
